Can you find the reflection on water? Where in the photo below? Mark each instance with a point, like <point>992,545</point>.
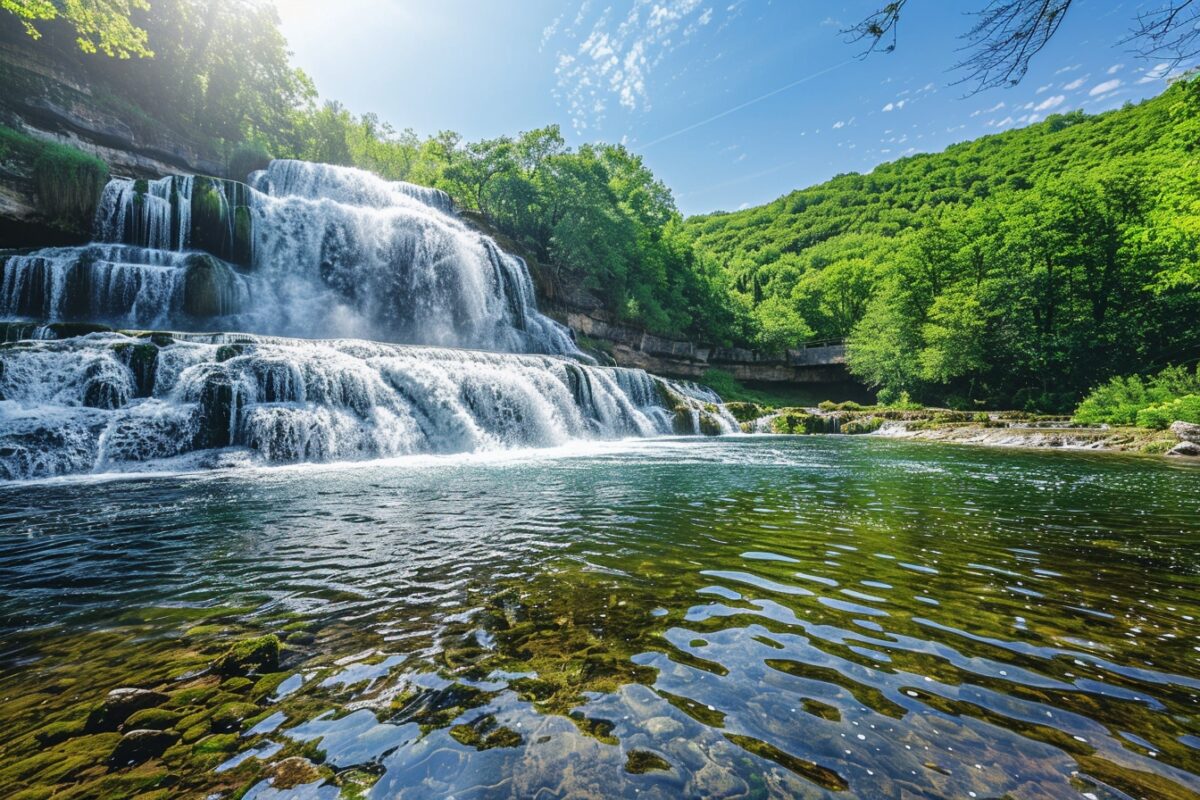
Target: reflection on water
<point>733,618</point>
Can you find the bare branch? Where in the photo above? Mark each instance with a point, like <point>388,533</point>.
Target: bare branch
<point>1170,33</point>
<point>877,28</point>
<point>1007,35</point>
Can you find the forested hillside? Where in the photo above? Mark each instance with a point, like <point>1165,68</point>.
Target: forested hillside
<point>1018,269</point>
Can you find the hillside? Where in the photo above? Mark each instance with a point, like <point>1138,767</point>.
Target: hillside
<point>1022,267</point>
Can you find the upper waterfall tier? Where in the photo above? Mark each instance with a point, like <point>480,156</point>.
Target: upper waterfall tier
<point>108,402</point>
<point>313,251</point>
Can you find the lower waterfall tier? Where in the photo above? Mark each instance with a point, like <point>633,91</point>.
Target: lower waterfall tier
<point>109,401</point>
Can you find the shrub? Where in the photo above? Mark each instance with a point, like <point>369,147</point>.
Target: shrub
<point>1119,401</point>
<point>1160,416</point>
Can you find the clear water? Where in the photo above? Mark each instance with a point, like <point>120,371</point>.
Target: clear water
<point>770,617</point>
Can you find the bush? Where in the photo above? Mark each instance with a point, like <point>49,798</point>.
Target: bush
<point>1119,401</point>
<point>1160,416</point>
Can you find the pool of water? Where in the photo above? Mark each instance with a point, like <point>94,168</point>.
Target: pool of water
<point>738,617</point>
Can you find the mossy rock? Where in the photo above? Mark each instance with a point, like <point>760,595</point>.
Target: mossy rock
<point>744,412</point>
<point>229,716</point>
<point>639,762</point>
<point>142,360</point>
<point>139,746</point>
<point>250,656</point>
<point>57,732</point>
<point>709,425</point>
<point>210,287</point>
<point>267,684</point>
<point>217,743</point>
<point>236,685</point>
<point>157,719</point>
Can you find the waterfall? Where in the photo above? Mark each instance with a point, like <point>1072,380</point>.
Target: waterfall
<point>116,402</point>
<point>310,261</point>
<point>320,251</point>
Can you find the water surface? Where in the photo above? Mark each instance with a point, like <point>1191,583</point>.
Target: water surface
<point>740,617</point>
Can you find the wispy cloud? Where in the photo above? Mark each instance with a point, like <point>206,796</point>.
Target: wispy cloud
<point>1051,102</point>
<point>1075,84</point>
<point>1115,68</point>
<point>1155,73</point>
<point>614,58</point>
<point>1104,88</point>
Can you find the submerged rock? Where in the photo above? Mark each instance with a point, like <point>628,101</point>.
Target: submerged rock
<point>140,746</point>
<point>120,704</point>
<point>251,655</point>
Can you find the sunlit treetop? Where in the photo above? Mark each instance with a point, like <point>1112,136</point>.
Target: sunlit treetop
<point>101,26</point>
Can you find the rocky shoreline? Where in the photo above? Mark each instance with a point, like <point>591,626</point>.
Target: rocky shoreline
<point>992,429</point>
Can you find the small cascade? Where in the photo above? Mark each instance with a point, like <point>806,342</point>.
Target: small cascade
<point>119,402</point>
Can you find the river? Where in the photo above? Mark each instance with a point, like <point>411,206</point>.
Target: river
<point>732,617</point>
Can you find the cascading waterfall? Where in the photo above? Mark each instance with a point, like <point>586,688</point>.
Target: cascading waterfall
<point>109,401</point>
<point>304,250</point>
<point>319,251</point>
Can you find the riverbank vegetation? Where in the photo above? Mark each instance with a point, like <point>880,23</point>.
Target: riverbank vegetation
<point>1018,270</point>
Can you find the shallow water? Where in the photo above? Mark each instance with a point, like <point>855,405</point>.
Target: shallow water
<point>754,616</point>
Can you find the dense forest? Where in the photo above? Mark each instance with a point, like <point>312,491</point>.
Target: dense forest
<point>1021,269</point>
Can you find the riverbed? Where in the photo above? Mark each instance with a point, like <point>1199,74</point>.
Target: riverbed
<point>732,617</point>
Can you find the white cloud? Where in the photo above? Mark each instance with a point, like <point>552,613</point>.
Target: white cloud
<point>1051,102</point>
<point>1071,68</point>
<point>1044,89</point>
<point>1075,84</point>
<point>614,60</point>
<point>1104,88</point>
<point>838,124</point>
<point>1115,68</point>
<point>1156,72</point>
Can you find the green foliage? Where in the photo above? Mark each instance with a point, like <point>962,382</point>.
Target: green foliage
<point>1014,270</point>
<point>102,26</point>
<point>1123,400</point>
<point>1186,408</point>
<point>67,182</point>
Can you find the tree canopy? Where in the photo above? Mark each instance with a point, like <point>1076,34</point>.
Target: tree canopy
<point>1018,269</point>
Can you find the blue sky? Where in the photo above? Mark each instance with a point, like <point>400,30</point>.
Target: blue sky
<point>731,102</point>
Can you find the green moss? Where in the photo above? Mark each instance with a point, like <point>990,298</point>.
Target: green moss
<point>236,684</point>
<point>209,287</point>
<point>260,654</point>
<point>217,743</point>
<point>267,684</point>
<point>744,412</point>
<point>640,762</point>
<point>158,719</point>
<point>56,732</point>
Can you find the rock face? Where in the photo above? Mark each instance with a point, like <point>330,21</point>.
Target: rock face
<point>635,348</point>
<point>1186,432</point>
<point>44,100</point>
